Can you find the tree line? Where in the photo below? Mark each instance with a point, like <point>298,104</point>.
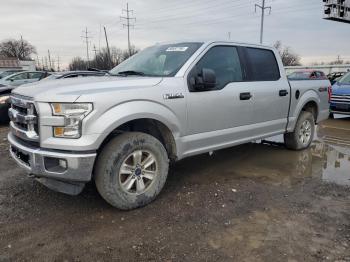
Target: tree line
<point>103,60</point>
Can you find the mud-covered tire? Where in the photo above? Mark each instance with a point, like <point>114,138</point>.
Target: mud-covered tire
<point>294,139</point>
<point>108,177</point>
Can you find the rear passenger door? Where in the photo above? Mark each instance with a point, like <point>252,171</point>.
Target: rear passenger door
<point>270,91</point>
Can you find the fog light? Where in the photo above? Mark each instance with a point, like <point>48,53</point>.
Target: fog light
<point>55,165</point>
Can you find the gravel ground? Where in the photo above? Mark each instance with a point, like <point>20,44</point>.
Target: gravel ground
<point>255,202</point>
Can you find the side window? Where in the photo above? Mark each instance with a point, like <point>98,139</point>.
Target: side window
<point>224,61</point>
<point>35,75</point>
<point>20,76</point>
<point>263,65</point>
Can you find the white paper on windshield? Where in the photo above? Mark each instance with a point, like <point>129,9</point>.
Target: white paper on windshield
<point>177,49</point>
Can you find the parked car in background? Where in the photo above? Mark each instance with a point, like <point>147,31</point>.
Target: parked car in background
<point>9,72</point>
<point>4,107</point>
<point>340,98</point>
<point>21,78</point>
<point>333,77</point>
<point>307,74</point>
<point>73,74</point>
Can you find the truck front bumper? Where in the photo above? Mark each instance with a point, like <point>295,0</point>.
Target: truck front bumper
<point>54,168</point>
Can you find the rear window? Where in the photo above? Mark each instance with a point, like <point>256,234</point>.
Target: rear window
<point>263,65</point>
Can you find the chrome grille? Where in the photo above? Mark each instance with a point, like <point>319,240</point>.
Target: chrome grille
<point>24,118</point>
<point>340,98</point>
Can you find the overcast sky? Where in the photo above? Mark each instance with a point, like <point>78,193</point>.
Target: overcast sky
<point>58,25</point>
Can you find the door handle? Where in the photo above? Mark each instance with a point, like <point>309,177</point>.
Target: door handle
<point>245,96</point>
<point>283,92</point>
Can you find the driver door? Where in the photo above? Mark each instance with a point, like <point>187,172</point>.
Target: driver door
<point>220,114</point>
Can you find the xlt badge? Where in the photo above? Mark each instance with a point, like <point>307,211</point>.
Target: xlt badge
<point>173,96</point>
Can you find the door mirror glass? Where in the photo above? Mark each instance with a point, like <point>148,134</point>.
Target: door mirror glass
<point>205,80</point>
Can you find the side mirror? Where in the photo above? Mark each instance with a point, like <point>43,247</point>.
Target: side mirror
<point>204,81</point>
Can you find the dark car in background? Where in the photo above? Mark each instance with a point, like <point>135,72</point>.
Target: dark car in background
<point>340,98</point>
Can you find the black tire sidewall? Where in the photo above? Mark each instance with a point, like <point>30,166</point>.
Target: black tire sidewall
<point>304,116</point>
<point>110,161</point>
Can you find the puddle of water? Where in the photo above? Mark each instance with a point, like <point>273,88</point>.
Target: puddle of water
<point>331,149</point>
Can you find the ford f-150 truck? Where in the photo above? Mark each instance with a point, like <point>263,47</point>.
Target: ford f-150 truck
<point>168,102</point>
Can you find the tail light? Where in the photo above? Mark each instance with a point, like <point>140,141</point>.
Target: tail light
<point>329,93</point>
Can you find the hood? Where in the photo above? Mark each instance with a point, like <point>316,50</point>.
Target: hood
<point>341,89</point>
<point>69,90</point>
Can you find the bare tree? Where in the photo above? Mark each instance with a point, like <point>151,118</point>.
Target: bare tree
<point>20,49</point>
<point>289,57</point>
<point>101,60</point>
<point>78,64</point>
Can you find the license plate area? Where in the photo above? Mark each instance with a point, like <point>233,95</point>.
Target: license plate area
<point>23,157</point>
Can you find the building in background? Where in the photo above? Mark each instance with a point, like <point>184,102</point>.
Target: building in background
<point>8,63</point>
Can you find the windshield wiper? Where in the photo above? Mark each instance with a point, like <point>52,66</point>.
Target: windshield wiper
<point>130,73</point>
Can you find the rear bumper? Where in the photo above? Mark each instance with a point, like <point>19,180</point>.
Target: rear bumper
<point>58,165</point>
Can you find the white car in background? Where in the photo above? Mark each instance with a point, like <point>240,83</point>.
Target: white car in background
<point>21,78</point>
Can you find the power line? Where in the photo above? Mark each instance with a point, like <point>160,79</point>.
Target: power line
<point>263,8</point>
<point>86,38</point>
<point>128,24</point>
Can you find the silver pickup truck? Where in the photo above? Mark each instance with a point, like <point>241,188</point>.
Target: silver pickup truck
<point>168,102</point>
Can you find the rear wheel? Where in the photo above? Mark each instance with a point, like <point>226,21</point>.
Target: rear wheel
<point>303,133</point>
<point>131,170</point>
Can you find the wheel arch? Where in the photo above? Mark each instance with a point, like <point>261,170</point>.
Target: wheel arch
<point>150,126</point>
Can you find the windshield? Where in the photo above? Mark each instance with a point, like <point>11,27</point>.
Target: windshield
<point>345,79</point>
<point>158,60</point>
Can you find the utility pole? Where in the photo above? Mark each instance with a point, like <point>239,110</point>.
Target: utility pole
<point>108,52</point>
<point>21,54</point>
<point>86,39</point>
<point>49,56</point>
<point>229,35</point>
<point>263,8</point>
<point>95,51</point>
<point>58,64</point>
<point>37,62</point>
<point>128,24</point>
<point>46,64</point>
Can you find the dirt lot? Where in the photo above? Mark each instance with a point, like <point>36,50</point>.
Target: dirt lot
<point>256,202</point>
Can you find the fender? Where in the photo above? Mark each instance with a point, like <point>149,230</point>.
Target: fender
<point>308,96</point>
<point>128,111</point>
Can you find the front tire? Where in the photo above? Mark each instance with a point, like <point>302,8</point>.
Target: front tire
<point>131,170</point>
<point>303,133</point>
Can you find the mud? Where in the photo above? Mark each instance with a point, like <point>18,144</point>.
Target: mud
<point>255,202</point>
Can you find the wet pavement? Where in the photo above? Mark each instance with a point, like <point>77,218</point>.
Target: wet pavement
<point>254,202</point>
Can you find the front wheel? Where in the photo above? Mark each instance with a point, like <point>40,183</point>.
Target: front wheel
<point>303,133</point>
<point>131,170</point>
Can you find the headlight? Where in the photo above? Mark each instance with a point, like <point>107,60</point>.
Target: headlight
<point>3,99</point>
<point>73,116</point>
